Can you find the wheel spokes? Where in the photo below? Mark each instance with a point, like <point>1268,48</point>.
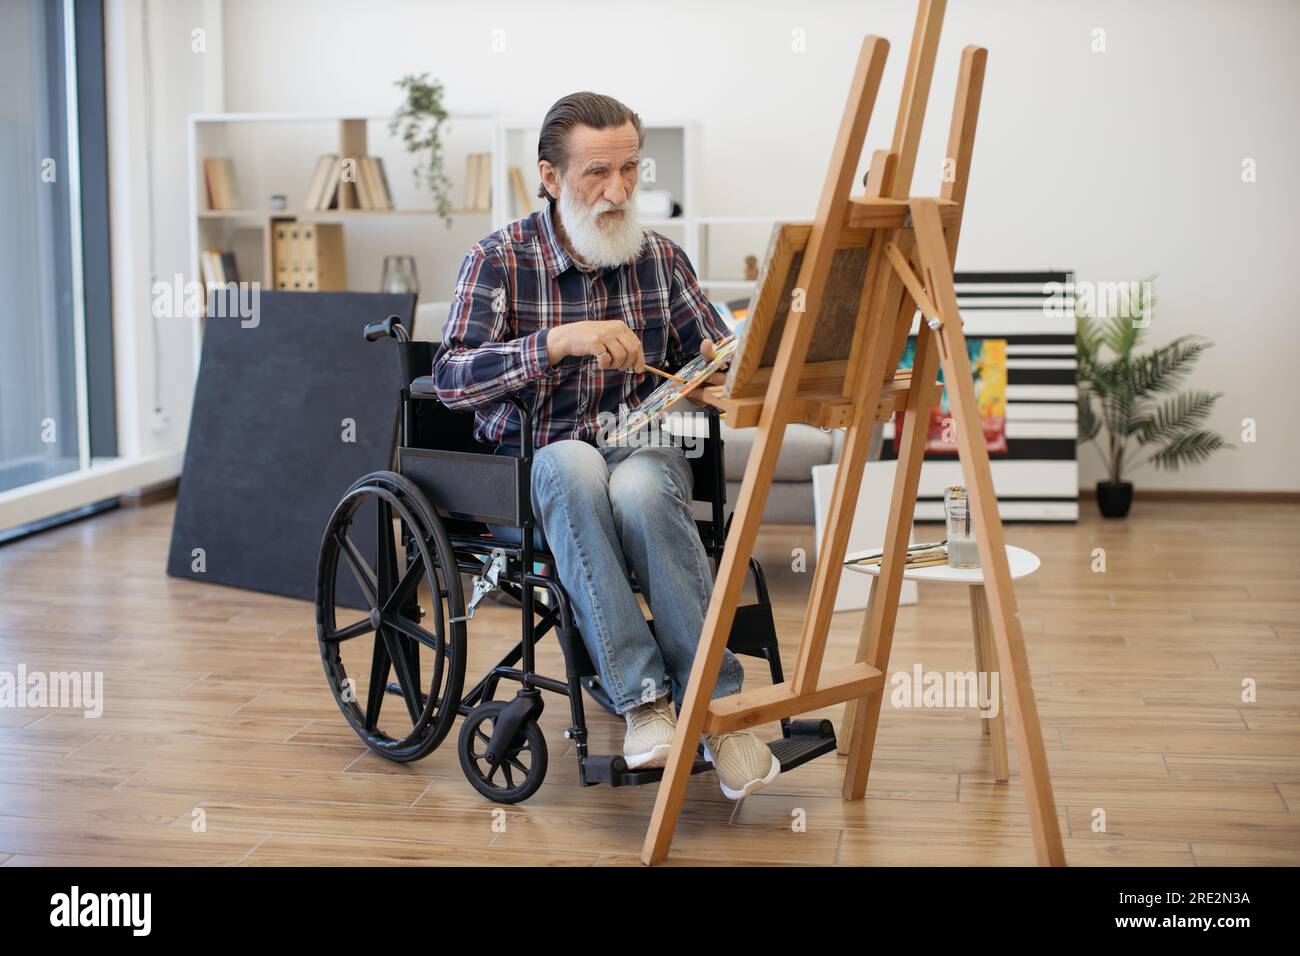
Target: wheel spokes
<point>405,679</point>
<point>386,559</point>
<point>507,763</point>
<point>359,567</point>
<point>415,632</point>
<point>362,626</point>
<point>405,587</point>
<point>379,664</point>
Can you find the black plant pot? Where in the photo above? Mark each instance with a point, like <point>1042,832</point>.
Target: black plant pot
<point>1114,498</point>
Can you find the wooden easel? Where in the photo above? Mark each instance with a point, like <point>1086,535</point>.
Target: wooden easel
<point>912,243</point>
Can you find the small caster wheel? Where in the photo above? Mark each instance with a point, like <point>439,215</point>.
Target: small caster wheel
<point>520,770</point>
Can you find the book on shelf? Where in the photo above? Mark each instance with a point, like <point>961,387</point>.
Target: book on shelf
<point>371,184</point>
<point>478,182</point>
<point>329,195</point>
<point>219,272</point>
<point>471,179</point>
<point>372,174</point>
<point>522,199</point>
<point>210,264</point>
<point>484,200</point>
<point>219,176</point>
<point>365,198</point>
<point>218,267</point>
<point>382,172</point>
<point>319,177</point>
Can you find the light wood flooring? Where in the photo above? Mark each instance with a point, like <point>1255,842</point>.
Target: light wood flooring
<point>216,702</point>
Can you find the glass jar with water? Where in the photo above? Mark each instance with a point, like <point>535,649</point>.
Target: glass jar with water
<point>962,549</point>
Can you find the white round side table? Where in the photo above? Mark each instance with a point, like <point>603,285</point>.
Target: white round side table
<point>1023,563</point>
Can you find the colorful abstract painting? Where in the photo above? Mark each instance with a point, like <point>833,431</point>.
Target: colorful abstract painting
<point>988,360</point>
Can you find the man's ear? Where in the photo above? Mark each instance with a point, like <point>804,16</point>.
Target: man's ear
<point>550,178</point>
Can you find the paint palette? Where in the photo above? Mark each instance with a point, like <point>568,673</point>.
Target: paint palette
<point>693,374</point>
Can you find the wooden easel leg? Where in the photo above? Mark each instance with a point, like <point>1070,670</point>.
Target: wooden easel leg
<point>973,451</point>
<point>732,570</point>
<point>986,661</point>
<point>864,649</point>
<point>976,621</point>
<point>878,628</point>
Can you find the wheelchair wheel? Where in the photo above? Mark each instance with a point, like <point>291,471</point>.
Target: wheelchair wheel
<point>386,551</point>
<point>523,767</point>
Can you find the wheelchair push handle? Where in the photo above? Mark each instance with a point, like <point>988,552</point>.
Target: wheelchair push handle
<point>390,327</point>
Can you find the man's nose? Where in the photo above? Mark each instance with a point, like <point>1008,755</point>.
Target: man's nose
<point>616,192</point>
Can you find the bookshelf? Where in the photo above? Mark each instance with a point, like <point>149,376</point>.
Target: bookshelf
<point>276,153</point>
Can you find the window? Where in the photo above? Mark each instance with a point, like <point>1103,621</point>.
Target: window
<point>56,387</point>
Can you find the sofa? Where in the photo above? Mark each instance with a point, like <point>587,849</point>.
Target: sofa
<point>790,499</point>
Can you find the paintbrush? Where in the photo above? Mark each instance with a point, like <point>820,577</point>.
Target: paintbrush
<point>663,374</point>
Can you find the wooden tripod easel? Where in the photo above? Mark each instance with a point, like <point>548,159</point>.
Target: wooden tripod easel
<point>912,243</point>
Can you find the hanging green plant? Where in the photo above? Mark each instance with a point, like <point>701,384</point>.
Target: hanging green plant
<point>420,121</point>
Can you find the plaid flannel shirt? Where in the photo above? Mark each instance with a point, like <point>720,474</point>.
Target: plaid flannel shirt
<point>518,284</point>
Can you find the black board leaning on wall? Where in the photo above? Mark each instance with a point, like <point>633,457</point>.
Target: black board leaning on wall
<point>288,413</point>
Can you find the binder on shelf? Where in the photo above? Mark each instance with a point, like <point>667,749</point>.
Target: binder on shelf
<point>326,266</point>
<point>309,256</point>
<point>280,253</point>
<point>293,251</point>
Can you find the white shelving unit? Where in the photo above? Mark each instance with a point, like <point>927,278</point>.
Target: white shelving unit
<point>275,153</point>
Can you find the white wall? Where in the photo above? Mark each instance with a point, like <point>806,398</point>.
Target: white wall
<point>1117,165</point>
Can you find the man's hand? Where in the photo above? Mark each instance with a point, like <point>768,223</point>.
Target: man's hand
<point>613,343</point>
<point>717,378</point>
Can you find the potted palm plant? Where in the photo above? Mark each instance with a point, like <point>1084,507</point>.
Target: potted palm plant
<point>1130,408</point>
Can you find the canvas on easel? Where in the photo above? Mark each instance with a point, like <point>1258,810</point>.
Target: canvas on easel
<point>877,258</point>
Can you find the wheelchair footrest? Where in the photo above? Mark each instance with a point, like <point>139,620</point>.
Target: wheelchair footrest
<point>613,772</point>
<point>808,740</point>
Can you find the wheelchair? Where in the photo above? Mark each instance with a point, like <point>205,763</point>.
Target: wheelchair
<point>397,546</point>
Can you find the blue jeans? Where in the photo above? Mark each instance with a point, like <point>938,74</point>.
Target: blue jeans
<point>605,510</point>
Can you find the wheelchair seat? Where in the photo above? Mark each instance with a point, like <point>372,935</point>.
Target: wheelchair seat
<point>424,386</point>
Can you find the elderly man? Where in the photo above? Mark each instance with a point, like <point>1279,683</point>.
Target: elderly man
<point>565,308</point>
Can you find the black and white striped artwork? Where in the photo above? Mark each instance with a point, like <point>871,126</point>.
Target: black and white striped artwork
<point>1037,478</point>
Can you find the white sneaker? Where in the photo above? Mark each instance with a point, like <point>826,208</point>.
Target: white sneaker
<point>650,729</point>
<point>743,762</point>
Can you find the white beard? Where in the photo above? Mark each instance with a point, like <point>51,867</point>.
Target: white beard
<point>601,245</point>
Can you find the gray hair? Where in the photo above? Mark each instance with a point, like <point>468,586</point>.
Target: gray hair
<point>579,109</point>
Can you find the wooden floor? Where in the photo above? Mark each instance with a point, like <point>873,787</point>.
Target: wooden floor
<point>216,702</point>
